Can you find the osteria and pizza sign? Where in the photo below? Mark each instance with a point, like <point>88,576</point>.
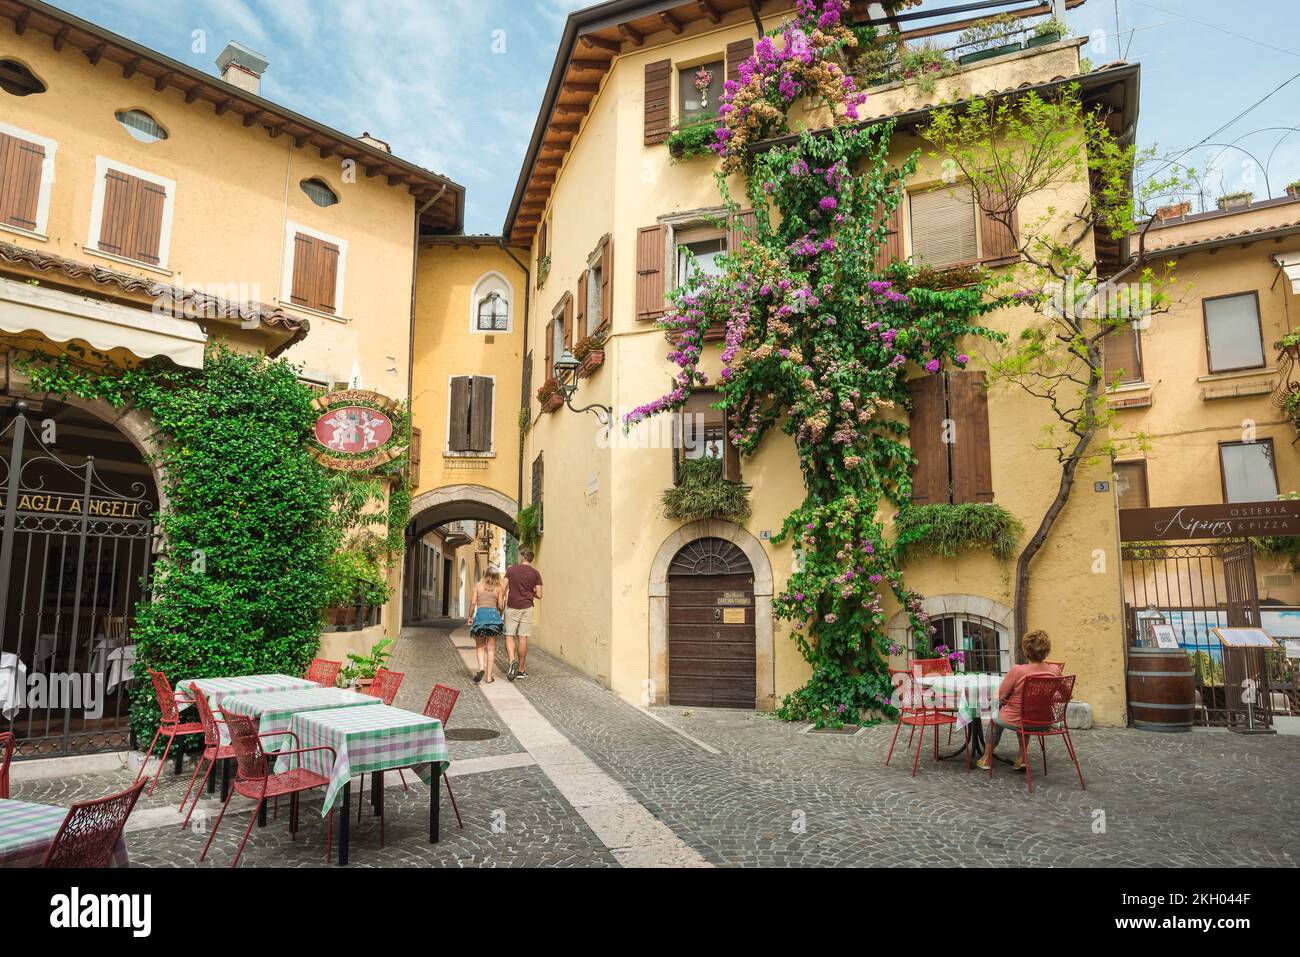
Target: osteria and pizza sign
<point>354,431</point>
<point>1199,522</point>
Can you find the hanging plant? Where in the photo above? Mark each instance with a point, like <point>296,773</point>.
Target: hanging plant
<point>703,80</point>
<point>947,530</point>
<point>529,523</point>
<point>703,493</point>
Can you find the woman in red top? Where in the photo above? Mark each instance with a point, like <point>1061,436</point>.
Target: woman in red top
<point>1037,646</point>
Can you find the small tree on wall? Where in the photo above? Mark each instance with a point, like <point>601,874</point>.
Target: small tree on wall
<point>1010,150</point>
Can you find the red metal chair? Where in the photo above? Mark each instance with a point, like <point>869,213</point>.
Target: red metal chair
<point>933,666</point>
<point>324,672</point>
<point>440,704</point>
<point>914,713</point>
<point>7,744</point>
<point>169,704</point>
<point>91,830</point>
<point>385,685</point>
<point>255,780</point>
<point>1045,702</point>
<point>213,751</point>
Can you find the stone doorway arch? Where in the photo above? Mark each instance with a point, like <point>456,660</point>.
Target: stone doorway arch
<point>765,660</point>
<point>453,503</point>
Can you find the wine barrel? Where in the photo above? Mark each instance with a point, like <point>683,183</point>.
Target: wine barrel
<point>1161,689</point>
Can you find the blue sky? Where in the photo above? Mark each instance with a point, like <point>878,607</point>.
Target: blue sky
<point>454,85</point>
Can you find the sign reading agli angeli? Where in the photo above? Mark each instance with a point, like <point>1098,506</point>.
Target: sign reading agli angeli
<point>354,431</point>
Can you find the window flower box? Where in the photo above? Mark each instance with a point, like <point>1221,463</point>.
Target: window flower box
<point>988,54</point>
<point>590,351</point>
<point>1235,200</point>
<point>549,396</point>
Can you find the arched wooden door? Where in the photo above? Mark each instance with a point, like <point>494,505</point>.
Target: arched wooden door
<point>711,640</point>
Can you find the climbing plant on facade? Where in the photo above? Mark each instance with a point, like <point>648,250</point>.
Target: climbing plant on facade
<point>819,343</point>
<point>248,528</point>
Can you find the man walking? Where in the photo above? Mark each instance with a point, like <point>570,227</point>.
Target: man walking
<point>524,586</point>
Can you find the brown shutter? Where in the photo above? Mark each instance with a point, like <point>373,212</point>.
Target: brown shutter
<point>892,249</point>
<point>742,227</point>
<point>568,322</point>
<point>541,244</point>
<point>929,410</point>
<point>738,53</point>
<point>327,271</point>
<point>997,243</point>
<point>413,458</point>
<point>1122,355</point>
<point>606,282</point>
<point>972,465</point>
<point>118,212</point>
<point>548,373</point>
<point>539,485</point>
<point>302,291</point>
<point>658,96</point>
<point>146,231</point>
<point>480,414</point>
<point>581,318</point>
<point>21,164</point>
<point>649,272</point>
<point>458,424</point>
<point>730,454</point>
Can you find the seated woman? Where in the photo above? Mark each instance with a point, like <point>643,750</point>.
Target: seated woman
<point>486,623</point>
<point>1037,646</point>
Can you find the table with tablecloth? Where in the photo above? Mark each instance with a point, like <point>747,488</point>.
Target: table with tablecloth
<point>27,830</point>
<point>274,710</point>
<point>972,697</point>
<point>369,741</point>
<point>217,689</point>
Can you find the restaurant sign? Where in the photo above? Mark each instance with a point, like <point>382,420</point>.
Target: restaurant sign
<point>1199,522</point>
<point>54,504</point>
<point>354,431</point>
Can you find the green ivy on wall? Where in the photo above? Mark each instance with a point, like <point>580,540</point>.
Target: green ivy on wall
<point>946,530</point>
<point>248,530</point>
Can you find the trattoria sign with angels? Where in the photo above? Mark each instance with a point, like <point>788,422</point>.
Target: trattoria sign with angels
<point>354,431</point>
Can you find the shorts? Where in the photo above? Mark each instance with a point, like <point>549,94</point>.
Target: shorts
<point>519,622</point>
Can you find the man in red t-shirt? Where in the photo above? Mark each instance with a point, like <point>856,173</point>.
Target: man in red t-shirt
<point>523,587</point>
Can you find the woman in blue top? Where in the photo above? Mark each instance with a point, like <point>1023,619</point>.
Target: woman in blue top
<point>485,622</point>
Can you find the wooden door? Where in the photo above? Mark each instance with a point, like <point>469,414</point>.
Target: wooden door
<point>711,638</point>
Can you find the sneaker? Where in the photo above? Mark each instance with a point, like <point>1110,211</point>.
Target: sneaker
<point>522,674</point>
<point>478,676</point>
<point>513,671</point>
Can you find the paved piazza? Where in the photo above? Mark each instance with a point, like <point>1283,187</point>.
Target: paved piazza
<point>574,776</point>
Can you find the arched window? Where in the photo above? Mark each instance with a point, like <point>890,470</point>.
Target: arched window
<point>17,80</point>
<point>493,313</point>
<point>491,305</point>
<point>318,192</point>
<point>984,642</point>
<point>141,125</point>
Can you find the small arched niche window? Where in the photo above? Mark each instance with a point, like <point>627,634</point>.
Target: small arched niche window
<point>318,192</point>
<point>490,306</point>
<point>141,125</point>
<point>17,80</point>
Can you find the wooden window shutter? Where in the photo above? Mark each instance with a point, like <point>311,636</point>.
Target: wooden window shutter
<point>458,425</point>
<point>315,273</point>
<point>528,379</point>
<point>649,272</point>
<point>568,322</point>
<point>996,242</point>
<point>118,212</point>
<point>480,414</point>
<point>658,98</point>
<point>541,244</point>
<point>21,164</point>
<point>972,463</point>
<point>891,250</point>
<point>548,373</point>
<point>146,231</point>
<point>929,410</point>
<point>943,227</point>
<point>327,272</point>
<point>741,227</point>
<point>539,485</point>
<point>738,53</point>
<point>730,454</point>
<point>304,257</point>
<point>1121,352</point>
<point>581,318</point>
<point>413,458</point>
<point>606,282</point>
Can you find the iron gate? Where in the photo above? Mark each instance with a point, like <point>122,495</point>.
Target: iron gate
<point>74,562</point>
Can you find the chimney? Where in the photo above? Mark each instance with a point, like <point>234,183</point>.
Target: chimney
<point>242,67</point>
<point>375,142</point>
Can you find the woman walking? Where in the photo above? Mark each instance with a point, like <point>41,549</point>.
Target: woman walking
<point>486,623</point>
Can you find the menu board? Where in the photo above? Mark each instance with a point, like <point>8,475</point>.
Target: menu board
<point>1244,638</point>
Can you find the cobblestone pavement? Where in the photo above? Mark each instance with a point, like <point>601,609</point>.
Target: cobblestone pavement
<point>771,795</point>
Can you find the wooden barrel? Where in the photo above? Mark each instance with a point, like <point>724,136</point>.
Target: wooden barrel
<point>1161,690</point>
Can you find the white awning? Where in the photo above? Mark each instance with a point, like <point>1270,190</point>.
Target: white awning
<point>62,316</point>
<point>1290,263</point>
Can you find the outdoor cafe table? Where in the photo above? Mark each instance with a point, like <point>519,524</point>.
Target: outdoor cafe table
<point>974,697</point>
<point>369,740</point>
<point>27,830</point>
<point>274,710</point>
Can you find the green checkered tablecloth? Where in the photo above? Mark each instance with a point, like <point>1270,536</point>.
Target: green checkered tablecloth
<point>217,689</point>
<point>974,696</point>
<point>27,830</point>
<point>274,710</point>
<point>378,738</point>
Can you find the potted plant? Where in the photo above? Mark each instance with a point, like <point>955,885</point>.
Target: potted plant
<point>359,672</point>
<point>543,270</point>
<point>989,38</point>
<point>1047,31</point>
<point>549,396</point>
<point>1238,200</point>
<point>1289,346</point>
<point>693,139</point>
<point>1293,189</point>
<point>590,351</point>
<point>924,65</point>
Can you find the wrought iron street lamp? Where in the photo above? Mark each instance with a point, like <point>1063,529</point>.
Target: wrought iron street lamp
<point>566,377</point>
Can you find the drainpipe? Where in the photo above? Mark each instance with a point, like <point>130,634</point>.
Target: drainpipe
<point>528,291</point>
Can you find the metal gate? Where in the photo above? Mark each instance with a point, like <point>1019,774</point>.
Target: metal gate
<point>1196,588</point>
<point>74,562</point>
